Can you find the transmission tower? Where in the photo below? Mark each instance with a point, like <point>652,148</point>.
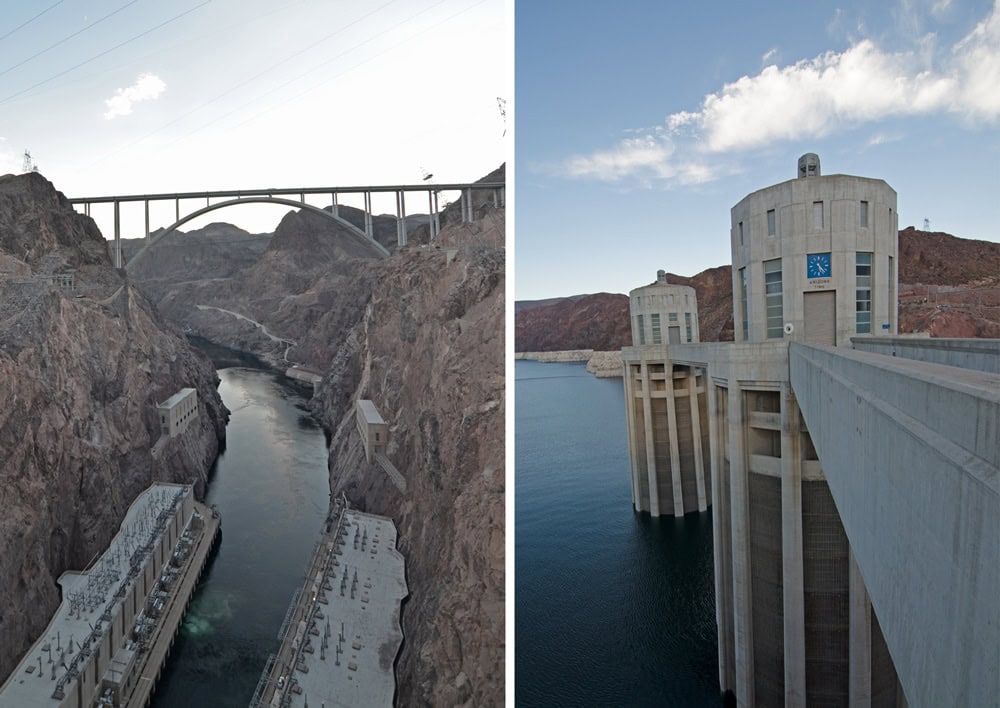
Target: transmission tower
<point>502,103</point>
<point>927,224</point>
<point>28,165</point>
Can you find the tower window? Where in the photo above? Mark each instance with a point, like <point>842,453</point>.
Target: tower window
<point>642,331</point>
<point>743,302</point>
<point>654,320</point>
<point>864,215</point>
<point>741,233</point>
<point>863,305</point>
<point>772,286</point>
<point>817,215</point>
<point>771,223</point>
<point>687,324</point>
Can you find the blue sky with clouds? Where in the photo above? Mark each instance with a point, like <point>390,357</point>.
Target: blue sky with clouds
<point>640,124</point>
<point>140,96</point>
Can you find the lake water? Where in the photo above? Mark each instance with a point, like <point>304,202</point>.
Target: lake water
<point>612,607</point>
<point>271,486</point>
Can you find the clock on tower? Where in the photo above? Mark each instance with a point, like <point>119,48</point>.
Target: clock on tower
<point>818,265</point>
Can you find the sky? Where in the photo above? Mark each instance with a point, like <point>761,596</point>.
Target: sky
<point>640,125</point>
<point>139,96</point>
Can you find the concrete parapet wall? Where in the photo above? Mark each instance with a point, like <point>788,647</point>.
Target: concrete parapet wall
<point>911,452</point>
<point>978,354</point>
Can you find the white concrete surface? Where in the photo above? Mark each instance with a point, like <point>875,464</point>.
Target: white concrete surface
<point>978,354</point>
<point>911,452</point>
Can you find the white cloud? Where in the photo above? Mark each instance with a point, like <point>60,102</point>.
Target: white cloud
<point>812,98</point>
<point>768,55</point>
<point>147,87</point>
<point>648,158</point>
<point>940,7</point>
<point>883,138</point>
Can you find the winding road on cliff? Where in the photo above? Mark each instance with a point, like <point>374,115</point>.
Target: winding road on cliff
<point>255,323</point>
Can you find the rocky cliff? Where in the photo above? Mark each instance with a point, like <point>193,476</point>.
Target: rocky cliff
<point>84,360</point>
<point>429,352</point>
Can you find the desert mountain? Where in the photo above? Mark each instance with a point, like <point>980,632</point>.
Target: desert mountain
<point>948,287</point>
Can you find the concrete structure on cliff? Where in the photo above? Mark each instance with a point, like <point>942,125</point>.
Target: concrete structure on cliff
<point>855,477</point>
<point>177,412</point>
<point>109,637</point>
<point>666,414</point>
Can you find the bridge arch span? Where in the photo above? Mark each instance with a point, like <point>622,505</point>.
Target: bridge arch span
<point>351,228</point>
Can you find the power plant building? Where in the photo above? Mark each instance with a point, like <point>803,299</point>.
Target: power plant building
<point>108,626</point>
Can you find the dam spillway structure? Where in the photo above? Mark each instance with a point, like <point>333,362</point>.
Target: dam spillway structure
<point>666,413</point>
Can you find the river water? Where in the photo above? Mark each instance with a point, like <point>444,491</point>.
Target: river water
<point>613,608</point>
<point>271,486</point>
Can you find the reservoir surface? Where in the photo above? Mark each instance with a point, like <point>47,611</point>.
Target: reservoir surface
<point>270,484</point>
<point>613,608</point>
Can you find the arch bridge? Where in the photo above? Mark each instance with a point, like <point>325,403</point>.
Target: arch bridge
<point>296,197</point>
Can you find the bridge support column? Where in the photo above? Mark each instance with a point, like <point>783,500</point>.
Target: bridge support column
<point>437,215</point>
<point>699,461</point>
<point>675,457</point>
<point>742,599</point>
<point>146,204</point>
<point>369,231</point>
<point>401,218</point>
<point>792,569</point>
<point>647,420</point>
<point>468,215</point>
<point>118,238</point>
<point>335,208</point>
<point>430,211</point>
<point>177,209</point>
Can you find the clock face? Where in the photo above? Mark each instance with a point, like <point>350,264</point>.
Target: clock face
<point>818,265</point>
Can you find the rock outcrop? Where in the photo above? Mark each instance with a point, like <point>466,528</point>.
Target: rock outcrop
<point>84,360</point>
<point>429,352</point>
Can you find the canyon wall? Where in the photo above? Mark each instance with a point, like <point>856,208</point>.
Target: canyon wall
<point>82,368</point>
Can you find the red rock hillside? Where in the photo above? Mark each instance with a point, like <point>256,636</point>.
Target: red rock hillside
<point>948,287</point>
<point>581,322</point>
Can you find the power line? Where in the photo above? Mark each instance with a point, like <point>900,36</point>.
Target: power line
<point>68,37</point>
<point>105,52</point>
<point>28,22</point>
